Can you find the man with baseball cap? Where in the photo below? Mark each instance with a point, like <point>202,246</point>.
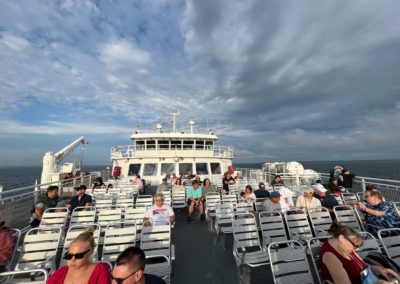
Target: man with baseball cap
<point>327,201</point>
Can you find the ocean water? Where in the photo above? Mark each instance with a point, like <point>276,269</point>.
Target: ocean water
<point>15,177</point>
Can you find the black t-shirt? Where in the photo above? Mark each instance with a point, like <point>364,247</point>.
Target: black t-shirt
<point>261,193</point>
<point>225,182</point>
<point>75,202</point>
<point>152,279</point>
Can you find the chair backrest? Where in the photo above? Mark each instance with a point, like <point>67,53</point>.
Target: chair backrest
<point>321,220</point>
<point>159,265</point>
<point>244,207</point>
<point>16,234</point>
<point>107,216</point>
<point>83,215</point>
<point>223,217</point>
<point>32,276</point>
<point>397,206</point>
<point>146,200</point>
<point>156,240</point>
<point>229,198</point>
<point>345,214</point>
<point>39,249</point>
<point>289,262</point>
<point>259,204</point>
<point>390,239</point>
<point>54,217</point>
<point>314,245</point>
<point>136,215</point>
<point>117,238</point>
<point>272,227</point>
<point>179,198</point>
<point>297,224</point>
<point>212,198</point>
<point>233,188</point>
<point>370,244</point>
<point>338,199</point>
<point>75,231</point>
<point>103,202</point>
<point>348,198</point>
<point>360,195</point>
<point>124,201</point>
<point>245,231</point>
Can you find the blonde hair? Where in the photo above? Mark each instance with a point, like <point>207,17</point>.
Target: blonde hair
<point>86,237</point>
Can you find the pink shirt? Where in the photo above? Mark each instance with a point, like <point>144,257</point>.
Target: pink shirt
<point>100,275</point>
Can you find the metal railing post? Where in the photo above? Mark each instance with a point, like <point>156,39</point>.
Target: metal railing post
<point>363,184</point>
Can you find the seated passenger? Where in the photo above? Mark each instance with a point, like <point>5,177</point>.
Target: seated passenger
<point>44,201</point>
<point>238,178</point>
<point>248,194</point>
<point>81,199</point>
<point>164,185</point>
<point>6,245</point>
<point>379,214</point>
<point>79,268</point>
<point>286,198</point>
<point>98,183</point>
<point>129,269</point>
<point>178,186</point>
<point>277,181</point>
<point>307,201</point>
<point>139,182</point>
<point>333,187</point>
<point>159,213</point>
<point>273,203</point>
<point>194,199</point>
<point>326,200</point>
<point>340,262</point>
<point>261,192</point>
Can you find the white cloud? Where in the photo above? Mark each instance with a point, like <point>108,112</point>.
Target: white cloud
<point>14,42</point>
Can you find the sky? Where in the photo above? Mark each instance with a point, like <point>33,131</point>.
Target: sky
<point>276,80</point>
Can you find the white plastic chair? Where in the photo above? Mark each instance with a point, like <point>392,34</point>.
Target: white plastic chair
<point>321,220</point>
<point>118,236</point>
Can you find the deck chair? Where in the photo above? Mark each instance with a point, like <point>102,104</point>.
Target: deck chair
<point>103,202</point>
<point>320,220</point>
<point>145,200</point>
<point>75,231</point>
<point>16,234</point>
<point>396,206</point>
<point>289,263</point>
<point>272,227</point>
<point>244,207</point>
<point>107,216</point>
<point>338,199</point>
<point>25,276</point>
<point>229,198</point>
<point>83,215</point>
<point>314,245</point>
<point>117,238</point>
<point>360,196</point>
<point>233,189</point>
<point>39,249</point>
<point>247,248</point>
<point>370,244</point>
<point>155,241</point>
<point>124,201</point>
<point>223,220</point>
<point>297,224</point>
<point>390,239</point>
<point>347,216</point>
<point>136,215</point>
<point>212,198</point>
<point>179,198</point>
<point>54,217</point>
<point>348,198</point>
<point>158,265</point>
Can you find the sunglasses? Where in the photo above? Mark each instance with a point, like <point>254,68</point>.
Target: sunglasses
<point>79,255</point>
<point>121,280</point>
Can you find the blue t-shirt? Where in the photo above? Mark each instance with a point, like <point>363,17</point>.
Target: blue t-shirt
<point>191,192</point>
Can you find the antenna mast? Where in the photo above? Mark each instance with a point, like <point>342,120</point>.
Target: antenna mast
<point>174,114</point>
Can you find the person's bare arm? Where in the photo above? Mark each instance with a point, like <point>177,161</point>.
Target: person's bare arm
<point>364,208</point>
<point>38,213</point>
<point>172,219</point>
<point>336,269</point>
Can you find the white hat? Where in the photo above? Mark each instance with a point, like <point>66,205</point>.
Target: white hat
<point>319,187</point>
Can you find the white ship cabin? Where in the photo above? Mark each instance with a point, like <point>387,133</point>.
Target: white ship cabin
<point>154,155</point>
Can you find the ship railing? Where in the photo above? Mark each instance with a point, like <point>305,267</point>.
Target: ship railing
<point>130,151</point>
<point>17,204</point>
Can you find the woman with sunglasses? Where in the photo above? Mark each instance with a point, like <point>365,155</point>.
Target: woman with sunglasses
<point>79,268</point>
<point>340,262</point>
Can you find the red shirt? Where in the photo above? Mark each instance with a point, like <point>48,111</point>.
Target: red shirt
<point>352,268</point>
<point>100,275</point>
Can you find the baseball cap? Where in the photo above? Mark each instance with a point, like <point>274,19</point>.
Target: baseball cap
<point>319,187</point>
<point>275,194</point>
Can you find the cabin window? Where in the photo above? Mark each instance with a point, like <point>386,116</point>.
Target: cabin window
<point>167,168</point>
<point>188,144</point>
<point>134,169</point>
<point>199,145</point>
<point>215,168</point>
<point>176,145</point>
<point>150,170</point>
<point>185,169</point>
<point>201,169</point>
<point>139,145</point>
<point>163,144</point>
<point>151,145</point>
<point>209,145</point>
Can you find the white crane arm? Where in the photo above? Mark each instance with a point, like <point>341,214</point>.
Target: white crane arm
<point>66,150</point>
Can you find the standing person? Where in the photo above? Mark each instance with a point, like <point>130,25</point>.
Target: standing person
<point>6,245</point>
<point>79,268</point>
<point>139,182</point>
<point>347,180</point>
<point>226,181</point>
<point>46,200</point>
<point>333,187</point>
<point>194,199</point>
<point>159,213</point>
<point>81,199</point>
<point>307,200</point>
<point>277,181</point>
<point>129,269</point>
<point>261,192</point>
<point>340,262</point>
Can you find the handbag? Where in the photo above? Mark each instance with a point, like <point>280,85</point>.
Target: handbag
<point>367,275</point>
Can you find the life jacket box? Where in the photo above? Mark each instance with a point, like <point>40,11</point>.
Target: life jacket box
<point>116,172</point>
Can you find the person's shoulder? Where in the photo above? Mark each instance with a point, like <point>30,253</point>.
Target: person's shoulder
<point>152,279</point>
<point>102,266</point>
